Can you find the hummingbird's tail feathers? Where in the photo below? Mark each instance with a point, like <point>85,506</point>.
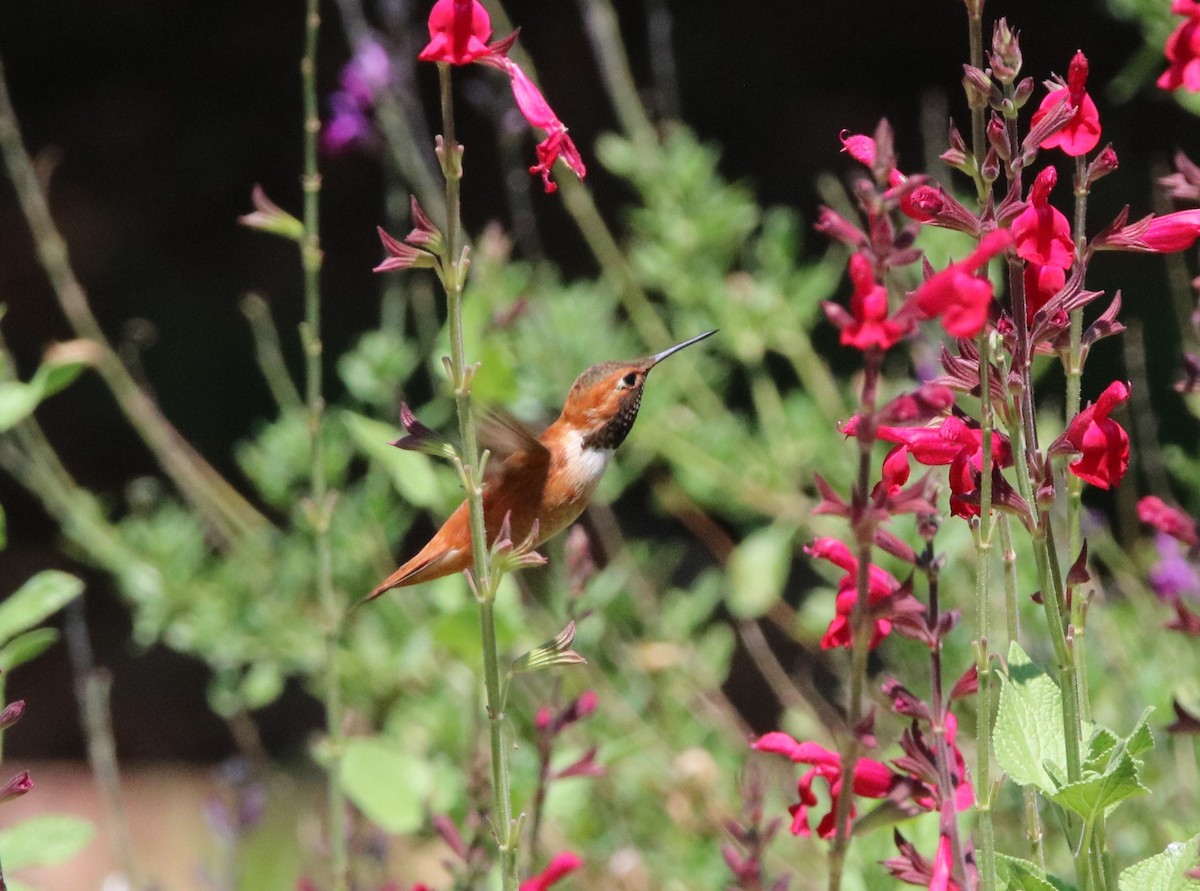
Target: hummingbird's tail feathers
<point>419,569</point>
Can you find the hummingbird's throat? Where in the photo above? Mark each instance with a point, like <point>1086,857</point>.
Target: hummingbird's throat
<point>613,433</point>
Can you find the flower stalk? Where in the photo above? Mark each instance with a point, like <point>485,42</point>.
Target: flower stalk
<point>471,464</point>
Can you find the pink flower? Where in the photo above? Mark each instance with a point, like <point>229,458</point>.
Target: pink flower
<point>1102,443</point>
<point>1156,513</point>
<point>943,865</point>
<point>859,147</point>
<point>560,865</point>
<point>867,324</point>
<point>956,294</point>
<point>1041,283</point>
<point>538,113</point>
<point>871,779</point>
<point>458,32</point>
<point>1183,49</point>
<point>1082,131</point>
<point>1172,232</point>
<point>881,585</point>
<point>1041,232</point>
<point>954,443</point>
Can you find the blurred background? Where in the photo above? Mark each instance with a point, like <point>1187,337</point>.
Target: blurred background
<point>159,117</point>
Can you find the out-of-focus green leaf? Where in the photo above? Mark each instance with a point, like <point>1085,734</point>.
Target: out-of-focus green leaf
<point>386,783</point>
<point>412,473</point>
<point>18,400</point>
<point>45,840</point>
<point>758,570</point>
<point>26,647</point>
<point>36,600</point>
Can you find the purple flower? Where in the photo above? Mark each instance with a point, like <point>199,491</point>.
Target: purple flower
<point>367,73</point>
<point>347,125</point>
<point>1173,576</point>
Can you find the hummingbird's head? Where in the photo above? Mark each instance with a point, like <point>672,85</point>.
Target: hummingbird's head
<point>604,400</point>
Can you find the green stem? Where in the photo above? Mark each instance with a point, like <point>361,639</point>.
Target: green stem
<point>453,278</point>
<point>983,610</point>
<point>863,526</point>
<point>600,21</point>
<point>1012,616</point>
<point>320,495</point>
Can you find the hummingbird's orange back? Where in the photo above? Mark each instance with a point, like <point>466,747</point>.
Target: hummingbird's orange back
<point>549,478</point>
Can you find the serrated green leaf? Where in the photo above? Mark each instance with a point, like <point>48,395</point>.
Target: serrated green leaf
<point>411,472</point>
<point>36,600</point>
<point>1092,796</point>
<point>386,783</point>
<point>26,647</point>
<point>1100,747</point>
<point>1021,875</point>
<point>1166,871</point>
<point>45,840</point>
<point>1141,739</point>
<point>1029,724</point>
<point>758,569</point>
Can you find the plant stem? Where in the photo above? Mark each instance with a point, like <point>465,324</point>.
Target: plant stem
<point>983,609</point>
<point>471,462</point>
<point>229,515</point>
<point>321,497</point>
<point>863,526</point>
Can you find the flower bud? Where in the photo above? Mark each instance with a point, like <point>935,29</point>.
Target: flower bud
<point>990,170</point>
<point>12,713</point>
<point>16,787</point>
<point>1022,92</point>
<point>997,136</point>
<point>1102,165</point>
<point>980,89</point>
<point>1006,53</point>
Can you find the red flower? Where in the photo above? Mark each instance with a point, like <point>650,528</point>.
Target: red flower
<point>1172,232</point>
<point>943,866</point>
<point>458,32</point>
<point>867,324</point>
<point>1041,283</point>
<point>1102,443</point>
<point>956,294</point>
<point>1155,512</point>
<point>881,584</point>
<point>1183,49</point>
<point>859,147</point>
<point>872,779</point>
<point>1041,232</point>
<point>956,444</point>
<point>1082,131</point>
<point>560,865</point>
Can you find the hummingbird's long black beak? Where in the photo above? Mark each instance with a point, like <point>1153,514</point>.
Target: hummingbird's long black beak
<point>658,357</point>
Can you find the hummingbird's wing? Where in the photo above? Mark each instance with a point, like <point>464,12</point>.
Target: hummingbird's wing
<point>514,446</point>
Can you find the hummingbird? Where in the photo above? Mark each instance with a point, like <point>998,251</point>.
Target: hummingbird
<point>548,479</point>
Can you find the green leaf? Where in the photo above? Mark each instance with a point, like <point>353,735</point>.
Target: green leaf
<point>1165,871</point>
<point>1029,724</point>
<point>758,569</point>
<point>1092,796</point>
<point>26,647</point>
<point>36,600</point>
<point>45,840</point>
<point>1141,740</point>
<point>1021,875</point>
<point>386,783</point>
<point>18,400</point>
<point>411,472</point>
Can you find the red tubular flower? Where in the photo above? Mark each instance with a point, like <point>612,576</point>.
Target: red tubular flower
<point>871,779</point>
<point>956,294</point>
<point>1102,443</point>
<point>954,443</point>
<point>881,585</point>
<point>1082,132</point>
<point>1041,283</point>
<point>1172,232</point>
<point>867,324</point>
<point>859,147</point>
<point>1041,232</point>
<point>1183,49</point>
<point>1156,513</point>
<point>560,865</point>
<point>458,32</point>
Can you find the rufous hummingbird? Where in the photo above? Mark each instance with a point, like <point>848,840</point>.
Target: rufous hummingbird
<point>549,478</point>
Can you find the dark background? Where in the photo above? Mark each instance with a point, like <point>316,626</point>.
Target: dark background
<point>163,114</point>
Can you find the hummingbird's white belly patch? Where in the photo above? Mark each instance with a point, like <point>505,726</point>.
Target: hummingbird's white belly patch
<point>584,466</point>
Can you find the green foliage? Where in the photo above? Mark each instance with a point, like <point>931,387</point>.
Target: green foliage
<point>45,840</point>
<point>1166,871</point>
<point>18,400</point>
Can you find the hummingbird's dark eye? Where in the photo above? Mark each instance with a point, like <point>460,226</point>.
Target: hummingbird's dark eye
<point>629,380</point>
